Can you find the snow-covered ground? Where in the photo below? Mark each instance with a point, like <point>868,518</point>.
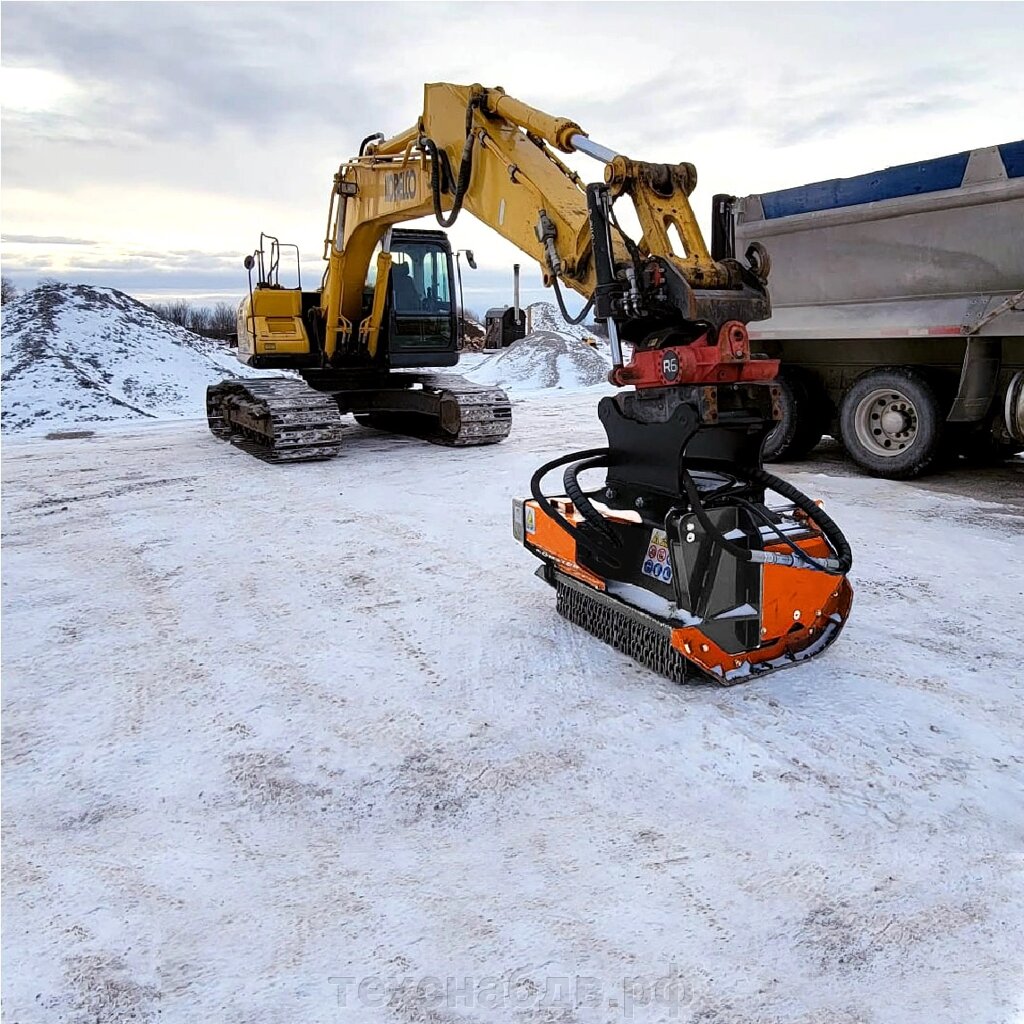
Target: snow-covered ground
<point>77,354</point>
<point>311,744</point>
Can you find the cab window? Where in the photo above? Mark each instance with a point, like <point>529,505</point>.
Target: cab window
<point>421,296</point>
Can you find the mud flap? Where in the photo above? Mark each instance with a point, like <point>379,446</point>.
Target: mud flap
<point>978,380</point>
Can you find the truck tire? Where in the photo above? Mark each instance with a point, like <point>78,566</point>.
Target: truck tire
<point>803,422</point>
<point>892,424</point>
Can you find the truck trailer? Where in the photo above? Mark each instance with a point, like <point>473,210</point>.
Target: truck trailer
<point>897,309</point>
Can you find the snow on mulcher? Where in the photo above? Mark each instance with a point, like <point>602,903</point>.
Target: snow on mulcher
<point>78,354</point>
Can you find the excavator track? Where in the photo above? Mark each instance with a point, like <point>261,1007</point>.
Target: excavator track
<point>468,414</point>
<point>278,419</point>
<point>275,419</point>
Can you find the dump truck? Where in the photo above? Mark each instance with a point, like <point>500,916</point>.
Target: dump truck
<point>897,309</point>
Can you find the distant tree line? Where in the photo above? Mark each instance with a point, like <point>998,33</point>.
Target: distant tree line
<point>9,291</point>
<point>216,321</point>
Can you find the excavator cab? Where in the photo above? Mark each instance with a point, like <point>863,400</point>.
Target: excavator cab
<point>421,318</point>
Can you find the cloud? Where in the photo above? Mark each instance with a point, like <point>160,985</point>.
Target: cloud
<point>787,108</point>
<point>27,266</point>
<point>172,133</point>
<point>187,72</point>
<point>46,240</point>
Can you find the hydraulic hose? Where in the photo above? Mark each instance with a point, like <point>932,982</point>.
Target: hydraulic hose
<point>592,458</point>
<point>838,566</point>
<point>375,137</point>
<point>465,170</point>
<point>815,513</point>
<point>561,305</point>
<point>461,185</point>
<point>581,500</point>
<point>631,246</point>
<point>600,539</point>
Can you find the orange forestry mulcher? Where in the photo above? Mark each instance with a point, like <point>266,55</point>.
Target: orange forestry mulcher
<point>677,560</point>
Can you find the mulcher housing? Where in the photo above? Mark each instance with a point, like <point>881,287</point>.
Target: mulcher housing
<point>677,560</point>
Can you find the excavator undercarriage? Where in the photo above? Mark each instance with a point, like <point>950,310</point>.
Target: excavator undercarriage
<point>281,419</point>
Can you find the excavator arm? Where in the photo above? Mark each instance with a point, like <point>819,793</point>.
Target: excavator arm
<point>483,151</point>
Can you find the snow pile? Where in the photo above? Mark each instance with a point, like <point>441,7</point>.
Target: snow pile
<point>79,354</point>
<point>543,316</point>
<point>545,359</point>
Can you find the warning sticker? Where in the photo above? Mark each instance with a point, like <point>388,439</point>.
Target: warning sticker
<point>531,519</point>
<point>656,560</point>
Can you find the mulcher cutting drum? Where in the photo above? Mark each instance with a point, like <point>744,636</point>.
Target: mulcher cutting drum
<point>759,617</point>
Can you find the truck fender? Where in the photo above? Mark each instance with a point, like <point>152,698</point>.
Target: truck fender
<point>979,380</point>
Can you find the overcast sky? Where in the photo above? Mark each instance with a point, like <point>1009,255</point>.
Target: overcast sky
<point>146,145</point>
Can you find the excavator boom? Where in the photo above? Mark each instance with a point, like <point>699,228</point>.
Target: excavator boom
<point>481,150</point>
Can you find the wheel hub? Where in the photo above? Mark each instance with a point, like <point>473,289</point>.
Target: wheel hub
<point>894,422</point>
<point>886,422</point>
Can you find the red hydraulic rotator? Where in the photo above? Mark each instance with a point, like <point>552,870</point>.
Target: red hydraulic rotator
<point>727,361</point>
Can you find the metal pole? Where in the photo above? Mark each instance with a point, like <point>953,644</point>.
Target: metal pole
<point>613,341</point>
<point>462,304</point>
<point>515,289</point>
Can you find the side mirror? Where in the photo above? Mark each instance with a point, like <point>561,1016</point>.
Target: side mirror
<point>469,258</point>
<point>248,263</point>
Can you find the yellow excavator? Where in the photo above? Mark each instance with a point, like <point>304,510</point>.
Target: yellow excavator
<point>676,558</point>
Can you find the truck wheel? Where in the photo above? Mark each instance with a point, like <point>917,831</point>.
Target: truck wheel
<point>892,424</point>
<point>803,420</point>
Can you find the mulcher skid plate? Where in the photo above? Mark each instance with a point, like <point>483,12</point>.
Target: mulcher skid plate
<point>281,419</point>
